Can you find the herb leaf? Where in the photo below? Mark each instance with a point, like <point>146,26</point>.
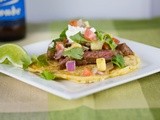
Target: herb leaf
<point>47,75</point>
<point>111,43</point>
<point>100,35</point>
<point>78,38</point>
<point>41,60</point>
<point>76,53</point>
<point>119,61</point>
<point>63,33</point>
<point>106,38</point>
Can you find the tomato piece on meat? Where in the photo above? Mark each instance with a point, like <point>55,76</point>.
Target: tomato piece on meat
<point>59,46</point>
<point>116,40</point>
<point>73,23</point>
<point>89,35</point>
<point>105,46</point>
<point>87,72</point>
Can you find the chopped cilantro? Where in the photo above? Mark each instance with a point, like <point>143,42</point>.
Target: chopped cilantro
<point>63,33</point>
<point>78,38</point>
<point>119,61</point>
<point>76,53</point>
<point>106,38</point>
<point>41,60</point>
<point>47,75</point>
<point>111,43</point>
<point>100,35</point>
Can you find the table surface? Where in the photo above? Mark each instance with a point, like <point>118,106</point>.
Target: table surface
<point>139,99</point>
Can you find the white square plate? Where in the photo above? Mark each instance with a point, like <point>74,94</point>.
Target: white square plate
<point>150,63</point>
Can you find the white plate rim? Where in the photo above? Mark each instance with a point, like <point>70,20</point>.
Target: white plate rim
<point>61,89</point>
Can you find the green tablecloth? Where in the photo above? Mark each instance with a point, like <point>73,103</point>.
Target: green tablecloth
<point>137,100</point>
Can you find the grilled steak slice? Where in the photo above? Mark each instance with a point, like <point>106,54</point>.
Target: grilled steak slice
<point>62,62</point>
<point>91,56</point>
<point>81,62</point>
<point>124,49</point>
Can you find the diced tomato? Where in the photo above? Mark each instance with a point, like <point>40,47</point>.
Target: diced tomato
<point>59,46</point>
<point>73,23</point>
<point>87,72</point>
<point>89,35</point>
<point>116,40</point>
<point>105,46</point>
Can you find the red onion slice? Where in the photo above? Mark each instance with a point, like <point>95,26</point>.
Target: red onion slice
<point>71,65</point>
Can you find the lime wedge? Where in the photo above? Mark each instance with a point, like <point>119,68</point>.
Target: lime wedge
<point>14,54</point>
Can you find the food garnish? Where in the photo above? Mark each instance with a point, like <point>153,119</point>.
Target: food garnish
<point>81,54</point>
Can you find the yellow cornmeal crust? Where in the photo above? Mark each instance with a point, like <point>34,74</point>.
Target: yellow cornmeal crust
<point>132,62</point>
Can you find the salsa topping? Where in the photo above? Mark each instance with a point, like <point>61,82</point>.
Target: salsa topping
<point>80,44</point>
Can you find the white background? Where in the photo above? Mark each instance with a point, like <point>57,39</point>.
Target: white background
<point>49,10</point>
